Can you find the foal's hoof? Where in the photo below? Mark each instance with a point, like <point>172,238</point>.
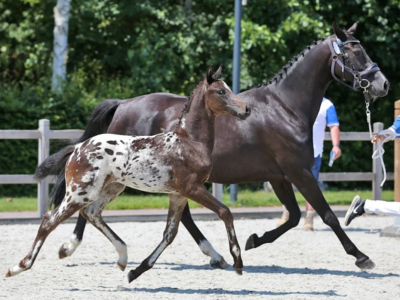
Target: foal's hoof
<point>132,275</point>
<point>219,264</point>
<point>251,242</point>
<point>121,266</point>
<point>62,252</point>
<point>8,273</point>
<point>365,264</point>
<point>239,271</point>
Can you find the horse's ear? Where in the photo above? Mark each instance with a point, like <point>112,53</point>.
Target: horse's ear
<point>339,32</point>
<point>217,75</point>
<point>352,30</point>
<point>210,78</point>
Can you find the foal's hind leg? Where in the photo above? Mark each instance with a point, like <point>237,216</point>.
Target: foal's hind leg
<point>50,221</point>
<point>176,206</point>
<point>93,212</point>
<point>67,249</point>
<point>308,186</point>
<point>283,189</point>
<point>217,261</point>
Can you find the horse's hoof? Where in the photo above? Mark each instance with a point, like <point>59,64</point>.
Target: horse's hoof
<point>62,252</point>
<point>239,271</point>
<point>251,242</point>
<point>121,266</point>
<point>8,273</point>
<point>132,276</point>
<point>219,264</point>
<point>365,264</point>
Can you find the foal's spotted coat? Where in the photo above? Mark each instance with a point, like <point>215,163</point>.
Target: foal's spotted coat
<point>177,163</point>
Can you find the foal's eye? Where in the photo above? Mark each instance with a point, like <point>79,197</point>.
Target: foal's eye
<point>221,92</point>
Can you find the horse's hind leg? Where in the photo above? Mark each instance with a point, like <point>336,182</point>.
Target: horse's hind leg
<point>283,189</point>
<point>217,261</point>
<point>67,249</point>
<point>93,212</point>
<point>50,221</point>
<point>176,206</point>
<point>308,186</point>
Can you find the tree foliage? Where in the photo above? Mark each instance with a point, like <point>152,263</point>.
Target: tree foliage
<point>122,48</point>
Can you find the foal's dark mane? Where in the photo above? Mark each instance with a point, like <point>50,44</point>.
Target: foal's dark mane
<point>279,76</point>
<point>210,79</point>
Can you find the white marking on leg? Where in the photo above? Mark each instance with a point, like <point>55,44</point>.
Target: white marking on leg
<point>157,253</point>
<point>17,269</point>
<point>208,250</point>
<point>235,251</point>
<point>69,248</point>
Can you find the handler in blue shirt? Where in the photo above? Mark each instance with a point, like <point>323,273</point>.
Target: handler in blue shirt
<point>360,206</point>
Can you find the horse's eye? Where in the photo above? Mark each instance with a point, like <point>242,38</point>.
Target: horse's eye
<point>357,53</point>
<point>221,92</point>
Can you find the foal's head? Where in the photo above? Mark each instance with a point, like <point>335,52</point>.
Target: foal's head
<point>220,99</point>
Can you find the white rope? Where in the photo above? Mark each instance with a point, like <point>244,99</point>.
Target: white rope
<point>390,135</point>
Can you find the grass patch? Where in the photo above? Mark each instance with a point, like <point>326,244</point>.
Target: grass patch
<point>246,199</point>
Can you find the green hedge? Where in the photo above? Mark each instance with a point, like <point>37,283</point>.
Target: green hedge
<point>121,49</point>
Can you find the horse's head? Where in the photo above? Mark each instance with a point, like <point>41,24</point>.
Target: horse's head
<point>352,66</point>
<point>220,99</point>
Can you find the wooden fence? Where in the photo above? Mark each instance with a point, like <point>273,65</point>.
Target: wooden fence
<point>44,134</point>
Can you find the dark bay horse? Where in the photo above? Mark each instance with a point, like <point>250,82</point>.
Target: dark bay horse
<point>177,163</point>
<point>274,144</point>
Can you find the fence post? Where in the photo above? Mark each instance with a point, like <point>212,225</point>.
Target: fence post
<point>394,230</point>
<point>44,150</point>
<point>217,190</point>
<point>377,169</point>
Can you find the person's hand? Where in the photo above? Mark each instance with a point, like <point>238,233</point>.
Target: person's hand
<point>338,152</point>
<point>376,137</point>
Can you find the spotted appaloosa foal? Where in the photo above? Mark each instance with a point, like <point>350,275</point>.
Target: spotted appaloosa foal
<point>177,163</point>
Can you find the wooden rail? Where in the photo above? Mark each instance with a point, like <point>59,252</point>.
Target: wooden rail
<point>44,134</point>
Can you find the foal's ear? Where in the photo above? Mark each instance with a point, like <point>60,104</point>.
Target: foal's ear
<point>352,30</point>
<point>217,75</point>
<point>210,78</point>
<point>339,32</point>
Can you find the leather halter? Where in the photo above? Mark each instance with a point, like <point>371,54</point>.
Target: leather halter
<point>338,51</point>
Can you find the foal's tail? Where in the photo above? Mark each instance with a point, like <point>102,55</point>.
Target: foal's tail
<point>98,124</point>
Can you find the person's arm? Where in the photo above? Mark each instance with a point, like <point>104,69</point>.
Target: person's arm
<point>333,123</point>
<point>335,134</point>
<point>395,128</point>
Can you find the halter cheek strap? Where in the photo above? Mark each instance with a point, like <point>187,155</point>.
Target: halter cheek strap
<point>338,51</point>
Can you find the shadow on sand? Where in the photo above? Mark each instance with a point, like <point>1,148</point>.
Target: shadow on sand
<point>207,291</point>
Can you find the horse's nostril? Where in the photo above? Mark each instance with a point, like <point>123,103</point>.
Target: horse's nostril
<point>386,85</point>
<point>248,110</point>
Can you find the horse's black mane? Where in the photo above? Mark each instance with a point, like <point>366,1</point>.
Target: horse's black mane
<point>278,76</point>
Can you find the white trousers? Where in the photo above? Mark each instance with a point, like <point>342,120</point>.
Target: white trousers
<point>380,207</point>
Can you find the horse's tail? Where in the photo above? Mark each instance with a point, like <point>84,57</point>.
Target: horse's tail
<point>98,124</point>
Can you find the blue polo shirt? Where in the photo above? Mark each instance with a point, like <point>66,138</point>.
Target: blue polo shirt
<point>396,125</point>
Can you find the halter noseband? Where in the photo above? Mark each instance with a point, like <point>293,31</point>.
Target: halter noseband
<point>338,51</point>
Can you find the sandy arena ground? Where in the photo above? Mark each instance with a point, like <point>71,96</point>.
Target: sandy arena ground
<point>300,265</point>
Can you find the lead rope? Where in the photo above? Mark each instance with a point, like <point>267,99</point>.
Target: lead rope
<point>389,136</point>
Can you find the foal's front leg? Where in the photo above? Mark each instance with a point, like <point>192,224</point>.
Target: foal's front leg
<point>176,206</point>
<point>203,197</point>
<point>217,261</point>
<point>50,221</point>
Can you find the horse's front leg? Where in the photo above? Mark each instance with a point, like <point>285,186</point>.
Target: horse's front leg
<point>202,196</point>
<point>217,261</point>
<point>308,187</point>
<point>176,206</point>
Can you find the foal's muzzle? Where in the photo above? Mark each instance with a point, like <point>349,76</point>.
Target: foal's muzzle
<point>245,114</point>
